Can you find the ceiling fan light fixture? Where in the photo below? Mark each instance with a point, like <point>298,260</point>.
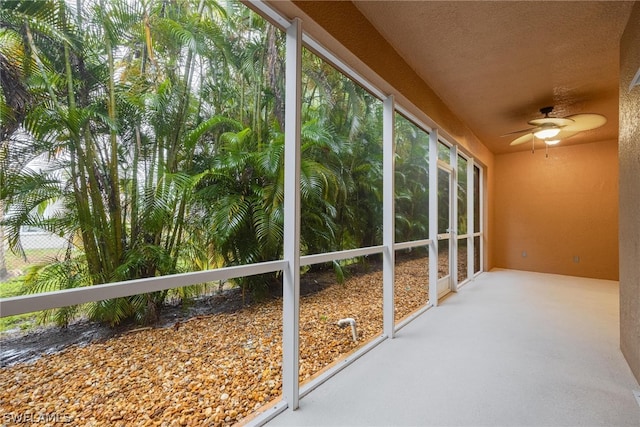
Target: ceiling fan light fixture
<point>553,129</point>
<point>547,133</point>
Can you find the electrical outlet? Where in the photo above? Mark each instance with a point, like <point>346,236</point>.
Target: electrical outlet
<point>576,259</point>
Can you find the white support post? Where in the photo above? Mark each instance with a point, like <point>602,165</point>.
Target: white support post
<point>482,229</point>
<point>291,276</point>
<point>388,223</point>
<point>433,217</point>
<point>470,219</point>
<point>453,220</point>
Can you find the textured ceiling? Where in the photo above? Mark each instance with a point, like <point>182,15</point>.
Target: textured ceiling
<point>495,64</point>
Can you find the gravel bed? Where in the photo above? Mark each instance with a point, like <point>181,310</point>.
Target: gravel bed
<point>211,369</point>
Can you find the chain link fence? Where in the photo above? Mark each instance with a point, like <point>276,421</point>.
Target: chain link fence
<point>39,247</point>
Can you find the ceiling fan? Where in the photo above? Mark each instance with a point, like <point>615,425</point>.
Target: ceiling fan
<point>553,129</point>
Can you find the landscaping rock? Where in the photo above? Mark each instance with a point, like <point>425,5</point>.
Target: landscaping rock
<point>214,370</point>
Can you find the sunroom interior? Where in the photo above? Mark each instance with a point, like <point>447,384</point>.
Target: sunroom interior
<point>533,236</point>
<point>479,71</point>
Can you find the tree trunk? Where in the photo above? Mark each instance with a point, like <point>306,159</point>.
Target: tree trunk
<point>275,71</point>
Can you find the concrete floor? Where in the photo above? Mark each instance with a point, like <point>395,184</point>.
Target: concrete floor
<point>510,349</point>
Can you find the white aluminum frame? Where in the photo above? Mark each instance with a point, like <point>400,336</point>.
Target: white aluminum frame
<point>388,221</point>
<point>339,255</point>
<point>470,218</point>
<point>433,217</point>
<point>411,244</point>
<point>480,233</point>
<point>423,242</point>
<point>468,236</point>
<point>291,276</point>
<point>55,299</point>
<point>450,235</point>
<point>453,221</point>
<point>413,119</point>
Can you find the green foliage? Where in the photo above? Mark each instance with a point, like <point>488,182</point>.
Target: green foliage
<point>57,275</point>
<point>344,123</point>
<point>159,126</point>
<point>412,181</point>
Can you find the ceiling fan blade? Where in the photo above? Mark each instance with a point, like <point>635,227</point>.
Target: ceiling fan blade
<point>560,122</point>
<point>582,122</point>
<point>519,131</point>
<point>522,139</point>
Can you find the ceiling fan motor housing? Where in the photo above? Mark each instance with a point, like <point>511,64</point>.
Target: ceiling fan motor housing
<point>546,110</point>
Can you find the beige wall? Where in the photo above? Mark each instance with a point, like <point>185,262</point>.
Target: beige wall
<point>558,208</point>
<point>629,155</point>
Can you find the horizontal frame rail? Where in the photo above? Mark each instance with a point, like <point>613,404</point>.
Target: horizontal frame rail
<point>412,244</point>
<point>55,299</point>
<point>339,255</point>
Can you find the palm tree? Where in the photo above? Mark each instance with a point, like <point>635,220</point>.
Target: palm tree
<point>121,116</point>
<point>16,98</point>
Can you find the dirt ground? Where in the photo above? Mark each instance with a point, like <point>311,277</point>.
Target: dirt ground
<point>213,364</point>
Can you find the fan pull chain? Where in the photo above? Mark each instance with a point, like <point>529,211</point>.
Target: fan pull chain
<point>546,150</point>
<point>533,143</point>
